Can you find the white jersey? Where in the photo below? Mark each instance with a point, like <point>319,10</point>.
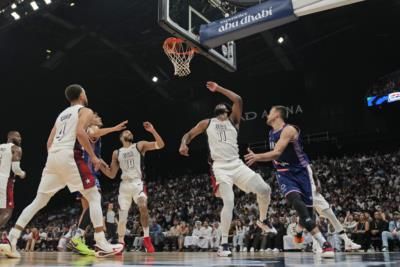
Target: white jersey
<point>130,162</point>
<point>66,125</point>
<point>222,140</point>
<point>5,159</point>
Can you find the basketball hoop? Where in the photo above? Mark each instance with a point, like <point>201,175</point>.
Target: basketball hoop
<point>180,53</point>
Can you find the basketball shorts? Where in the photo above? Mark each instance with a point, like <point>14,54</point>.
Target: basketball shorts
<point>66,168</point>
<point>296,180</point>
<point>6,193</point>
<point>130,190</point>
<point>78,195</point>
<point>233,173</point>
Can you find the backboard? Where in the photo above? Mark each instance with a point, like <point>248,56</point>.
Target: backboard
<point>182,18</point>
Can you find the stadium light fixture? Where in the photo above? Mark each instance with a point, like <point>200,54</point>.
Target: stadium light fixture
<point>14,6</point>
<point>15,15</point>
<point>154,79</point>
<point>34,5</point>
<point>281,40</point>
<point>72,4</point>
<point>47,2</point>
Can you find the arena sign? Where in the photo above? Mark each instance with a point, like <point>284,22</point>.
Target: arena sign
<point>261,17</point>
<point>252,115</point>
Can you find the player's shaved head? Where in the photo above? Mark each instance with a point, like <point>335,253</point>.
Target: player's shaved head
<point>73,92</point>
<point>14,137</point>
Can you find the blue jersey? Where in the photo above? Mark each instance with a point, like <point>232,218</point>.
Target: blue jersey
<point>293,157</point>
<point>292,167</point>
<point>96,145</point>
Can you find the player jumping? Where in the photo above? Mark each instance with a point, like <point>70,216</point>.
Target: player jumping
<point>228,168</point>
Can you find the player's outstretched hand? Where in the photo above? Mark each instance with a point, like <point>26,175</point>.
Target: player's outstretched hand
<point>121,126</point>
<point>184,150</point>
<point>251,157</point>
<point>148,126</point>
<point>212,86</point>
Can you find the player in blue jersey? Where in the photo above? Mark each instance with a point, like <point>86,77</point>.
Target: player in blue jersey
<point>293,171</point>
<point>95,132</point>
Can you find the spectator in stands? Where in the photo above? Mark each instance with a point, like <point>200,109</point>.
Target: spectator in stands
<point>378,225</point>
<point>193,240</point>
<point>156,235</point>
<point>274,241</point>
<point>205,237</point>
<point>183,232</point>
<point>238,236</point>
<point>137,233</point>
<point>111,222</point>
<point>393,233</point>
<point>349,224</point>
<point>216,236</point>
<point>361,232</point>
<point>253,237</point>
<point>172,236</point>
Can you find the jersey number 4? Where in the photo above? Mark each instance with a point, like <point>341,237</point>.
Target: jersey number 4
<point>61,131</point>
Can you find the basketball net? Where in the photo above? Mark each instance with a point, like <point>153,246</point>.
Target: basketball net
<point>180,53</point>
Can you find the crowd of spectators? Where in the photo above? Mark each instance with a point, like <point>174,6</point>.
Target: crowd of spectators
<point>386,85</point>
<point>362,190</point>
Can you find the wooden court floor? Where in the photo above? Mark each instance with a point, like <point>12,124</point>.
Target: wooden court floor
<point>205,259</point>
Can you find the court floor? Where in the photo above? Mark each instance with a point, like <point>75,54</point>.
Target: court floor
<point>205,259</point>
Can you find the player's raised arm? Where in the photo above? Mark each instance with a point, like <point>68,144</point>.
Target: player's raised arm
<point>51,137</point>
<point>111,172</point>
<point>237,107</point>
<point>200,128</point>
<point>85,116</point>
<point>288,134</point>
<point>97,132</point>
<point>16,158</point>
<point>144,146</point>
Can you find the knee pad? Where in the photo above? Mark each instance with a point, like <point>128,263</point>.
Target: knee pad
<point>308,223</point>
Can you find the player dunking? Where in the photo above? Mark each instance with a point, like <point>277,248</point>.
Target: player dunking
<point>65,166</point>
<point>10,157</point>
<point>293,171</point>
<point>95,132</point>
<point>228,168</point>
<point>130,158</point>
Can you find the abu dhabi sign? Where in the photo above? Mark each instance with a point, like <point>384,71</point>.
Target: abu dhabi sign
<point>253,115</point>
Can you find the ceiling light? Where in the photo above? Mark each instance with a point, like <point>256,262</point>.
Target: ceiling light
<point>14,6</point>
<point>48,2</point>
<point>34,5</point>
<point>154,79</point>
<point>281,40</point>
<point>15,15</point>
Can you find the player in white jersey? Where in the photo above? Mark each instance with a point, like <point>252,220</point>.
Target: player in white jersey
<point>10,157</point>
<point>129,158</point>
<point>65,166</point>
<point>228,168</point>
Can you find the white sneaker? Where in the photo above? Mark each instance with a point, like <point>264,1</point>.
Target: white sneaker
<point>275,250</point>
<point>105,249</point>
<point>352,246</point>
<point>385,249</point>
<point>10,251</point>
<point>261,250</point>
<point>224,251</point>
<point>268,250</point>
<point>244,249</point>
<point>267,229</point>
<point>316,247</point>
<point>251,249</point>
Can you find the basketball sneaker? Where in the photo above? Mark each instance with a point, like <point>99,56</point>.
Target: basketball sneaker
<point>350,245</point>
<point>316,247</point>
<point>224,251</point>
<point>10,250</point>
<point>266,226</point>
<point>298,238</point>
<point>78,246</point>
<point>105,249</point>
<point>148,246</point>
<point>327,250</point>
